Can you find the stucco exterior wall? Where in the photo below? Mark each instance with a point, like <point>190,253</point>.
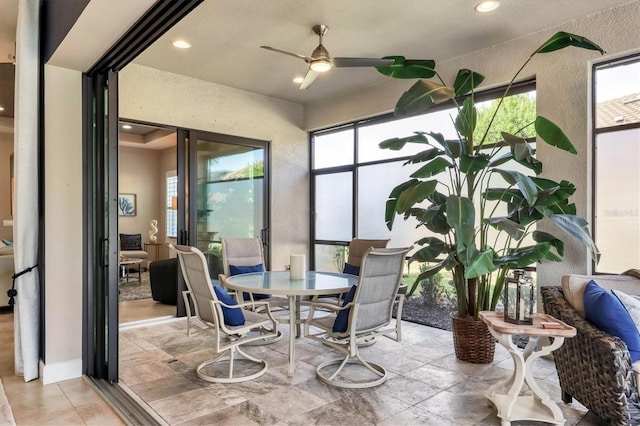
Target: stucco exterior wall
<point>160,97</point>
<point>562,83</point>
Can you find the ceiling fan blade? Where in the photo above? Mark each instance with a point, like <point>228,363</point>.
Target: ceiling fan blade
<point>308,79</point>
<point>361,62</point>
<point>295,55</point>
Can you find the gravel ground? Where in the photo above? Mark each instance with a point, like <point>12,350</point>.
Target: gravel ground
<point>415,310</point>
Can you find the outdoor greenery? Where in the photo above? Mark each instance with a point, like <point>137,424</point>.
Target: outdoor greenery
<point>459,192</point>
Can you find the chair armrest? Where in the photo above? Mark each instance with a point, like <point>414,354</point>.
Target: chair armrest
<point>594,366</point>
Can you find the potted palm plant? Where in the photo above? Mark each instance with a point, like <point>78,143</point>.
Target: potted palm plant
<point>462,185</point>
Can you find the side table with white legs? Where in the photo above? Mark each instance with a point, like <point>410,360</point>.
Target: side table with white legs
<point>505,395</point>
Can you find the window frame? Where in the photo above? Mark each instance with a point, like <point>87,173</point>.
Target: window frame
<point>520,87</point>
<point>595,132</point>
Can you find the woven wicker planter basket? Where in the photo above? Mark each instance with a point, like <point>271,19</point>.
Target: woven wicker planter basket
<point>472,340</point>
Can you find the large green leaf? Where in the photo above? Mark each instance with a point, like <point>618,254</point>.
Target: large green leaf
<point>432,168</point>
<point>465,122</point>
<point>473,163</point>
<point>513,229</point>
<point>461,216</point>
<point>541,237</point>
<point>397,144</point>
<point>438,223</point>
<point>524,182</point>
<point>425,215</point>
<point>426,155</point>
<point>509,195</point>
<point>453,148</point>
<point>524,256</point>
<point>578,228</point>
<point>437,198</point>
<point>481,264</point>
<point>560,40</point>
<point>408,68</point>
<point>414,195</point>
<point>466,81</point>
<point>553,135</point>
<point>433,247</point>
<point>422,96</point>
<point>392,202</point>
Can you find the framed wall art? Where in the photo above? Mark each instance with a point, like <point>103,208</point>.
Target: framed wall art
<point>126,204</point>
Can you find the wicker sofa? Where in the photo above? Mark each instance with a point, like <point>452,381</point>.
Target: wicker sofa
<point>595,367</point>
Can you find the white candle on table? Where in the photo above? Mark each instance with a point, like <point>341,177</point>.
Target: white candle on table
<point>298,266</point>
<point>521,310</point>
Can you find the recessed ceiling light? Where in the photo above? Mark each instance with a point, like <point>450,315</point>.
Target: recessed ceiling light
<point>182,44</point>
<point>298,80</point>
<point>126,127</point>
<point>487,6</point>
<point>1,108</point>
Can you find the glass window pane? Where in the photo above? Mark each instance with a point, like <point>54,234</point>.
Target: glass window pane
<point>370,136</point>
<point>334,206</point>
<point>333,149</point>
<point>617,94</point>
<point>329,258</point>
<point>375,183</point>
<point>617,232</point>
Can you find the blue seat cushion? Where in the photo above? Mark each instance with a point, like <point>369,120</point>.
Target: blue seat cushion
<point>236,270</point>
<point>606,312</point>
<point>232,316</point>
<point>351,269</point>
<point>342,319</point>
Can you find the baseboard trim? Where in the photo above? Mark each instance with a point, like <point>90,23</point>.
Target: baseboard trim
<point>60,371</point>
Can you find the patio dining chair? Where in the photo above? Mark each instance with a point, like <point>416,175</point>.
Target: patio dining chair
<point>232,325</point>
<point>357,248</point>
<point>244,255</point>
<point>367,313</point>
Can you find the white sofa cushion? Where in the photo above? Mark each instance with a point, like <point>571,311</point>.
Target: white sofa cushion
<point>573,287</point>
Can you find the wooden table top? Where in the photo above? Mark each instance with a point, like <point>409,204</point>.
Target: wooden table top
<point>495,320</point>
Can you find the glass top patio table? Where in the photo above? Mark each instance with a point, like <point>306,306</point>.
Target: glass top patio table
<point>281,283</point>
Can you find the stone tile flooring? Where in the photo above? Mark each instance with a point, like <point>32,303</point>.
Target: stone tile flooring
<point>427,384</point>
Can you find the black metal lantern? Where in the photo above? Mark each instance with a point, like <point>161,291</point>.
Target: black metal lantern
<point>518,298</point>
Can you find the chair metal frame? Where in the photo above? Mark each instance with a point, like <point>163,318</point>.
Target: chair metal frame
<point>370,316</point>
<point>208,309</point>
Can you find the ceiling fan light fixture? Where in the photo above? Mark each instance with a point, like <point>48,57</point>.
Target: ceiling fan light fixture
<point>487,6</point>
<point>320,65</point>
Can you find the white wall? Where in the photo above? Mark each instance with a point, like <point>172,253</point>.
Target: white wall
<point>63,224</point>
<point>160,97</point>
<point>562,81</point>
<point>139,173</point>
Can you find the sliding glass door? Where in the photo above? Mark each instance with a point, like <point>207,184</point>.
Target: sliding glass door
<point>229,180</point>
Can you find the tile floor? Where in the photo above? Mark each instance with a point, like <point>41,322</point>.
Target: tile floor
<point>427,385</point>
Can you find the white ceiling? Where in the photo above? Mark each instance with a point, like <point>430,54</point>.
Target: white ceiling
<point>227,34</point>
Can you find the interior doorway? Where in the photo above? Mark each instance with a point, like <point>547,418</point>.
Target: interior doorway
<point>147,164</point>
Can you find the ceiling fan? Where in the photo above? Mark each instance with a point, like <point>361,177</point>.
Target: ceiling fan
<point>320,61</point>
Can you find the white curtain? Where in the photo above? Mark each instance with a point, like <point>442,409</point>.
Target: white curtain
<point>25,218</point>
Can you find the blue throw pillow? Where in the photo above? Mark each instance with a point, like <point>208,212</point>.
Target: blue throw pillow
<point>236,270</point>
<point>232,316</point>
<point>342,319</point>
<point>606,312</point>
<point>351,269</point>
